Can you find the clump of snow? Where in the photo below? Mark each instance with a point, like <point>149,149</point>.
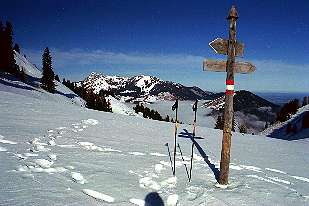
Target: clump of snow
<point>98,195</point>
<point>77,177</point>
<point>41,148</point>
<point>90,122</point>
<point>172,200</point>
<point>51,142</point>
<point>147,182</point>
<point>43,163</point>
<point>221,186</point>
<point>27,154</point>
<point>158,168</point>
<point>169,182</point>
<point>52,156</point>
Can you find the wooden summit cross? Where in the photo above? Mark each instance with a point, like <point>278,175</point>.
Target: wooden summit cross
<point>231,48</point>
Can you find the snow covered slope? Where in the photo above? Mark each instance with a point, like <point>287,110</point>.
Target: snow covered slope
<point>24,64</point>
<point>55,153</point>
<point>32,85</point>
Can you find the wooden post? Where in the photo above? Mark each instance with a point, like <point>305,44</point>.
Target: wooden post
<point>228,107</point>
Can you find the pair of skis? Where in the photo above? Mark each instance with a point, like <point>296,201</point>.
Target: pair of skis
<point>175,108</point>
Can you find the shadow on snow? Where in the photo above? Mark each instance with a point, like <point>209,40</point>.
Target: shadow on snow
<point>186,134</point>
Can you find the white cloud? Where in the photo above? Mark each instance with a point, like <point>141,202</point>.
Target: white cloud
<point>97,57</point>
<point>184,68</point>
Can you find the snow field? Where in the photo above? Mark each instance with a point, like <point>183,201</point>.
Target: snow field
<point>35,171</point>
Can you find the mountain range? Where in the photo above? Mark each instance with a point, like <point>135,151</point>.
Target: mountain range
<point>142,88</point>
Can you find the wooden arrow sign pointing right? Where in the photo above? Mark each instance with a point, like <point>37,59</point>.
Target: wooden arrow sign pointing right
<point>220,46</point>
<point>220,66</point>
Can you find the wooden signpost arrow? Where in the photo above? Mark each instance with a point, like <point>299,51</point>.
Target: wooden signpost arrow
<point>231,48</point>
<point>220,46</point>
<point>220,66</point>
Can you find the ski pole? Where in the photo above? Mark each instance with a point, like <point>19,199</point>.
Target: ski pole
<point>183,161</point>
<point>175,106</point>
<point>194,108</point>
<point>169,154</point>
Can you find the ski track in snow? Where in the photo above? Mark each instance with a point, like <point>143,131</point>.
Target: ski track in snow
<point>275,170</point>
<point>137,202</point>
<point>301,178</point>
<point>136,153</point>
<point>158,154</point>
<point>98,195</point>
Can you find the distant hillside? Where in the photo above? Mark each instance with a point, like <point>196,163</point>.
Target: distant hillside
<point>297,127</point>
<point>250,109</point>
<point>243,100</point>
<point>142,88</point>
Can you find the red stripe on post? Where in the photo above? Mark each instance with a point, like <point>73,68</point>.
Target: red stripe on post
<point>230,82</point>
<point>229,92</point>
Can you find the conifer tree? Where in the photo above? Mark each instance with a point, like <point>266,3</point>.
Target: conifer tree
<point>233,124</point>
<point>219,123</point>
<point>57,78</point>
<point>243,129</point>
<point>8,44</point>
<point>2,55</point>
<point>48,75</point>
<point>22,75</point>
<point>7,60</point>
<point>17,48</point>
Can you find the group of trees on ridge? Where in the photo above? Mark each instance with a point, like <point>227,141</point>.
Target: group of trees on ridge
<point>93,100</point>
<point>220,124</point>
<point>7,60</point>
<point>151,113</point>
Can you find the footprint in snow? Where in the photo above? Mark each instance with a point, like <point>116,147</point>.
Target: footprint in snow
<point>4,141</point>
<point>3,149</point>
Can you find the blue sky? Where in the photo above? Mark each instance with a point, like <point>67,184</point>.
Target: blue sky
<point>168,39</point>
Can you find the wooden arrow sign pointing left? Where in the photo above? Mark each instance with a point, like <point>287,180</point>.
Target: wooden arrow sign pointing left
<point>220,46</point>
<point>220,66</point>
